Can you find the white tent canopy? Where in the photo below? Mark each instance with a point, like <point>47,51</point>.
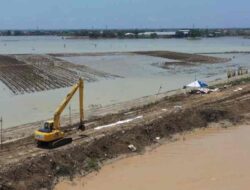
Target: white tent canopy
<point>197,84</point>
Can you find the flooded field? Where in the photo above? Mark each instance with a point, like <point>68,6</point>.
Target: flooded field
<point>54,44</point>
<point>206,159</point>
<point>34,73</point>
<point>42,82</point>
<point>130,76</point>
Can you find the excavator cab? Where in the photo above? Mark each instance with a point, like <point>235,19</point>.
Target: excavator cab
<point>48,136</point>
<point>47,126</point>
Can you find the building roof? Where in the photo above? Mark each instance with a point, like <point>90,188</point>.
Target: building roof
<point>129,34</point>
<point>157,33</point>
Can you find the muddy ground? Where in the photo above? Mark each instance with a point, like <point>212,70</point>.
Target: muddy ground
<point>24,166</point>
<point>28,73</point>
<point>34,73</point>
<point>184,57</point>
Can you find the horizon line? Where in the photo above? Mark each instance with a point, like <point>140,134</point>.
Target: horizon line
<point>153,28</point>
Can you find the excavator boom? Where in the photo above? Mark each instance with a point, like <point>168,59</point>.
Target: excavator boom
<point>60,109</point>
<point>50,134</point>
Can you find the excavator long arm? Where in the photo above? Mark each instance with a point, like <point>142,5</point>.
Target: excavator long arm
<point>65,102</point>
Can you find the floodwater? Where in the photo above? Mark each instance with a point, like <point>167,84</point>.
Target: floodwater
<point>206,159</point>
<point>56,44</point>
<point>138,76</point>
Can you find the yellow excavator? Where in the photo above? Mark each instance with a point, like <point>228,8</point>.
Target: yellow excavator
<point>50,134</point>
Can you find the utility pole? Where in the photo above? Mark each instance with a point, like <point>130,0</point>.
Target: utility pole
<point>70,122</point>
<point>159,90</point>
<point>1,121</point>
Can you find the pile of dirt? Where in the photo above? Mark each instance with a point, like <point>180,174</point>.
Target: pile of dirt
<point>184,57</point>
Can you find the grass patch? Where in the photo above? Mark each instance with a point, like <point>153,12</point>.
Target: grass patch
<point>233,83</point>
<point>92,164</point>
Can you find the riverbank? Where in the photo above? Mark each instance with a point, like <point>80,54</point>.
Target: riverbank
<point>23,131</point>
<point>25,166</point>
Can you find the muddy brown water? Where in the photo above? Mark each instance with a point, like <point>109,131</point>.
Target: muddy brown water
<point>213,158</point>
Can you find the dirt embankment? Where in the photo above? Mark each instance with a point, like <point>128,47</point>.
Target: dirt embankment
<point>42,168</point>
<point>184,57</point>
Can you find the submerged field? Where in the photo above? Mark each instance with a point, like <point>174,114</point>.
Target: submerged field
<point>130,98</point>
<point>34,73</point>
<point>40,70</point>
<point>36,83</point>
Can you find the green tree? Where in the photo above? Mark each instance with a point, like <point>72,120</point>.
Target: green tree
<point>153,35</point>
<point>180,34</point>
<point>195,33</point>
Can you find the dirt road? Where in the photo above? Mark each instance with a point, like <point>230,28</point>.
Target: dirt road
<point>25,166</point>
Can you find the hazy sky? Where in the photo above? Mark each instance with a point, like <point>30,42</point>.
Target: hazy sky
<point>58,14</point>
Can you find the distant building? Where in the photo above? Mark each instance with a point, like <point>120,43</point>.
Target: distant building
<point>129,35</point>
<point>185,32</point>
<point>218,33</point>
<point>166,34</point>
<point>145,34</point>
<point>215,34</point>
<point>211,35</point>
<point>157,34</point>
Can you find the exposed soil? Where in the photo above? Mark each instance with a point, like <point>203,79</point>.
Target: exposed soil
<point>34,73</point>
<point>23,166</point>
<point>170,65</point>
<point>185,57</point>
<point>83,54</point>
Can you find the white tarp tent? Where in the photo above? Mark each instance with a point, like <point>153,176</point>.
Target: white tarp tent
<point>197,84</point>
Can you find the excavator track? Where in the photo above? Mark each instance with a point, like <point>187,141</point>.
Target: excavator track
<point>60,142</point>
<point>54,144</point>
